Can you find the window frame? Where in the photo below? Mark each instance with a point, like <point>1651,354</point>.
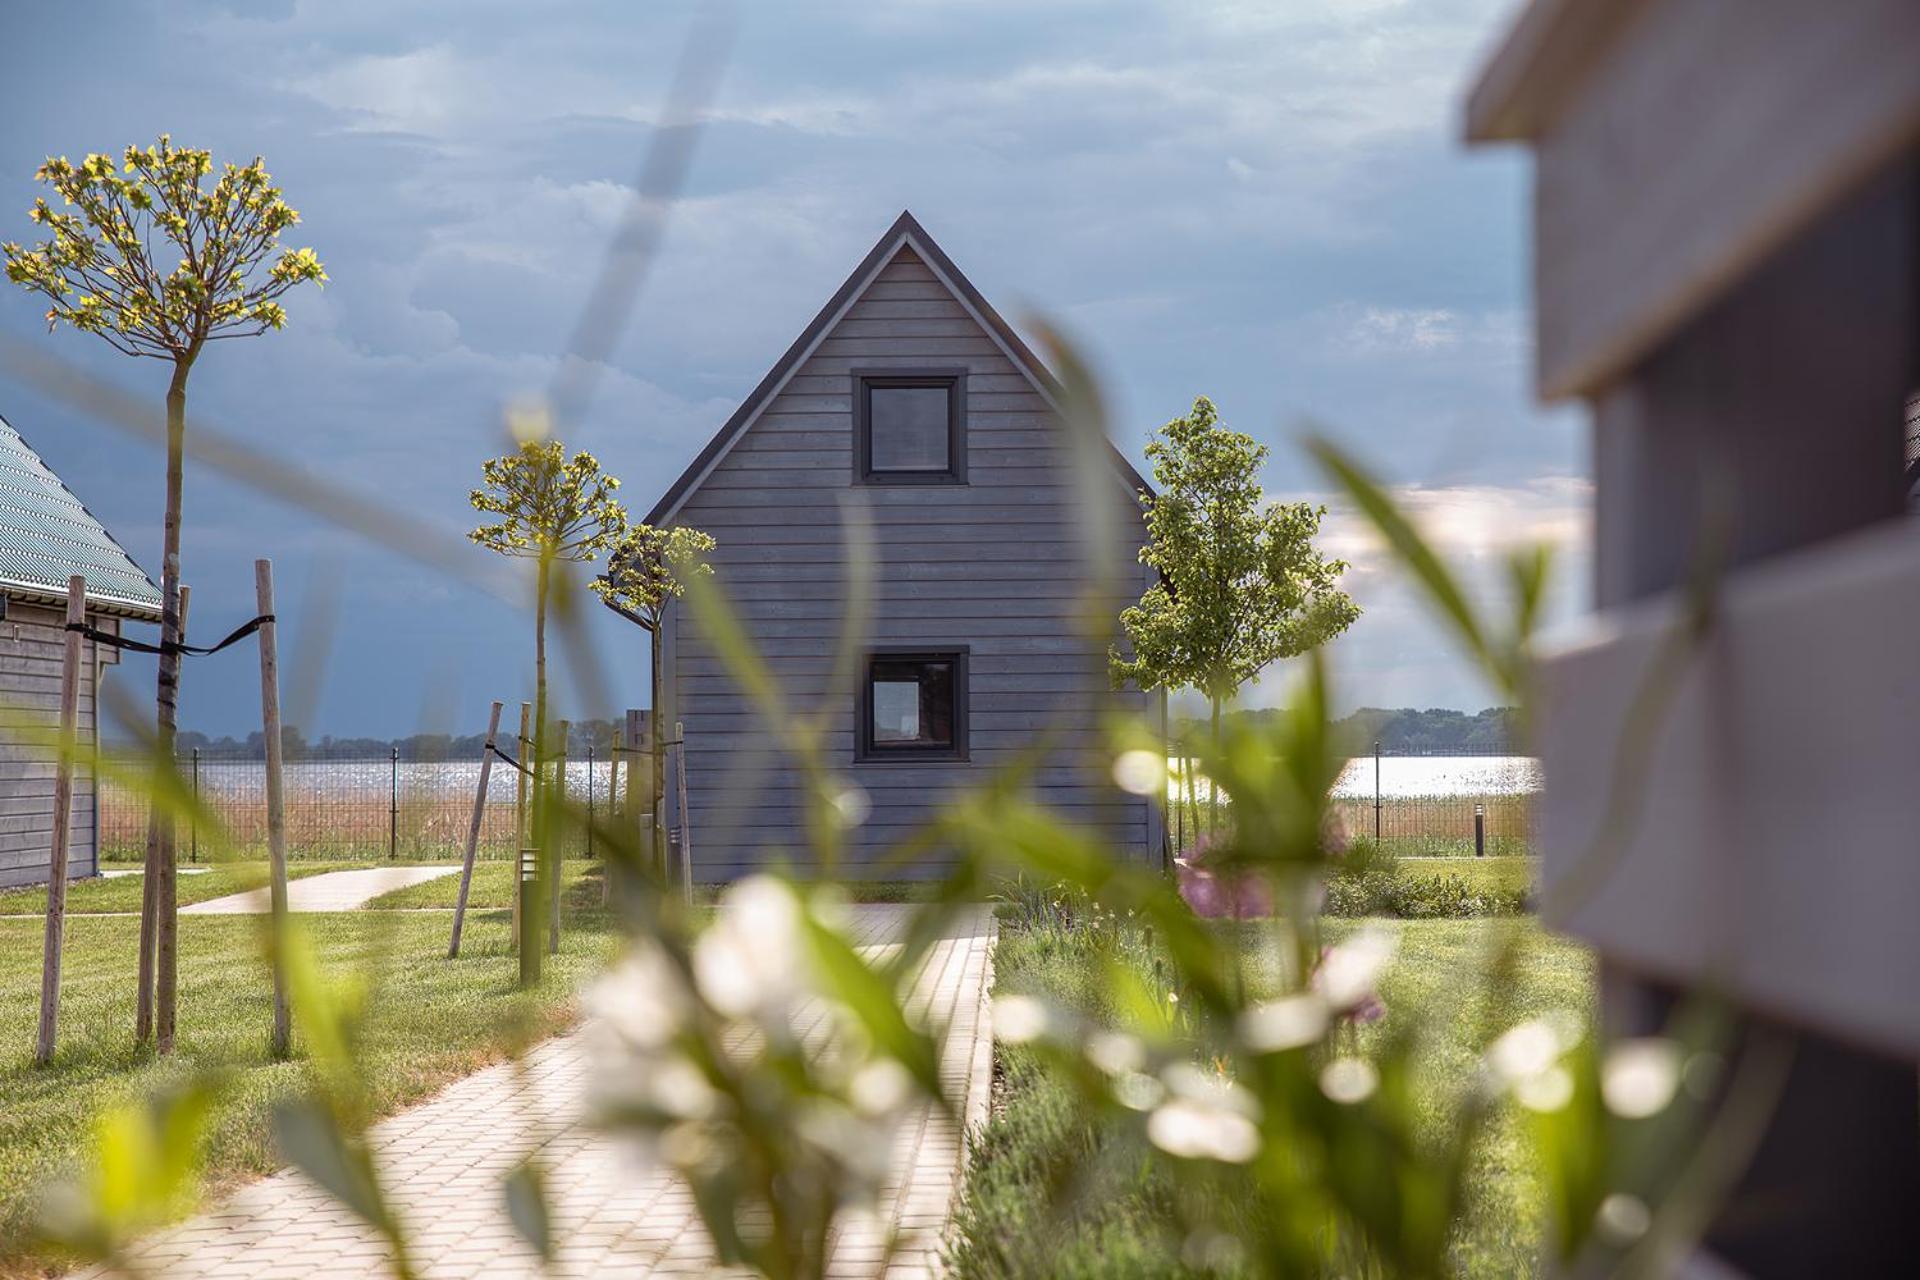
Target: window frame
<point>866,751</point>
<point>955,382</point>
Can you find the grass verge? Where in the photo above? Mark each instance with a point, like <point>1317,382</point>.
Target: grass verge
<point>122,893</point>
<point>1118,1221</point>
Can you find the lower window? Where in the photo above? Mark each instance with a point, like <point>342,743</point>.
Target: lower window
<point>913,705</point>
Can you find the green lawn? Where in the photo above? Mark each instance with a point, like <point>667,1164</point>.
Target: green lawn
<point>492,887</point>
<point>122,893</point>
<point>431,1021</point>
<point>1118,1223</point>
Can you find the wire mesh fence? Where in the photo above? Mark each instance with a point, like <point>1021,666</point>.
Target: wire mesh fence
<point>349,809</point>
<point>1411,803</point>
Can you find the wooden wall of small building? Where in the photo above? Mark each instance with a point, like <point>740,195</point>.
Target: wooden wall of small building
<point>993,564</point>
<point>32,642</point>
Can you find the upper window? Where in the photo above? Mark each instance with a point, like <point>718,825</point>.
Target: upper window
<point>913,706</point>
<point>909,426</point>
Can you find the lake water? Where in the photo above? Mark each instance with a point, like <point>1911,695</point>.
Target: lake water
<point>1441,776</point>
<point>349,782</point>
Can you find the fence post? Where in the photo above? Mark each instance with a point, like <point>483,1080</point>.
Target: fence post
<point>1376,793</point>
<point>589,799</point>
<point>276,813</point>
<point>393,804</point>
<point>1479,831</point>
<point>193,824</point>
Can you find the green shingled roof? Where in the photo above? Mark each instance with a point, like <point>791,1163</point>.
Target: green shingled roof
<point>47,535</point>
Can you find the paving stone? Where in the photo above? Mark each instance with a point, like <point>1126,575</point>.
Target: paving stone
<point>444,1159</point>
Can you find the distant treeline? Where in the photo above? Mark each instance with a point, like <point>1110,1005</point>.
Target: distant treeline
<point>294,745</point>
<point>1407,731</point>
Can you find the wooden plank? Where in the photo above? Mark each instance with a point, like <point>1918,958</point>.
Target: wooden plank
<point>1658,189</point>
<point>1544,60</point>
<point>1761,857</point>
<point>489,743</point>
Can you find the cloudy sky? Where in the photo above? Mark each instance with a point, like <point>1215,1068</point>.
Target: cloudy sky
<point>1262,201</point>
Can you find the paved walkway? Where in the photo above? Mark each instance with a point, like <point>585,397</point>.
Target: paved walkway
<point>613,1216</point>
<point>329,891</point>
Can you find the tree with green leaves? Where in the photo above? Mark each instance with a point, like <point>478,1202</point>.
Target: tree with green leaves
<point>104,270</point>
<point>643,573</point>
<point>552,509</point>
<point>1241,584</point>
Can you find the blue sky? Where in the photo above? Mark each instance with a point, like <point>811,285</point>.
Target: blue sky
<point>1266,203</point>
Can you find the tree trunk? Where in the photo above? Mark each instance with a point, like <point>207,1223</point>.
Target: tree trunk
<point>1213,789</point>
<point>159,928</point>
<point>657,771</point>
<point>533,911</point>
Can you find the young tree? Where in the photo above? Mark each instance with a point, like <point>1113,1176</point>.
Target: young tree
<point>643,573</point>
<point>551,508</point>
<point>103,270</point>
<point>1241,584</point>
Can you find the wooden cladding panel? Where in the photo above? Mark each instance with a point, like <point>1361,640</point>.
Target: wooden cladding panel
<point>32,644</point>
<point>1761,852</point>
<point>1657,187</point>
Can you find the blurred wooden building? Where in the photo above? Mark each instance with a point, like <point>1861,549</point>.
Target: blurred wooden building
<point>46,535</point>
<point>1727,240</point>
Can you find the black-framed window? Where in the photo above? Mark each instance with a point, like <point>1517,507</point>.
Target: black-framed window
<point>913,705</point>
<point>910,426</point>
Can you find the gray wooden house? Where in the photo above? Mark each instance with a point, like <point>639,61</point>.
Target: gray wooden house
<point>47,535</point>
<point>909,387</point>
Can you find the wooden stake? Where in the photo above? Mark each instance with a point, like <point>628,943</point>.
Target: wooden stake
<point>62,824</point>
<point>520,812</point>
<point>686,822</point>
<point>276,809</point>
<point>557,857</point>
<point>473,831</point>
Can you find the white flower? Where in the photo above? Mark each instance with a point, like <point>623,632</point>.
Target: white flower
<point>1524,1051</point>
<point>641,999</point>
<point>1115,1052</point>
<point>679,1088</point>
<point>1348,973</point>
<point>1019,1019</point>
<point>750,959</point>
<point>1140,773</point>
<point>1623,1218</point>
<point>1640,1076</point>
<point>1544,1091</point>
<point>1349,1080</point>
<point>1286,1023</point>
<point>851,805</point>
<point>880,1087</point>
<point>1138,1092</point>
<point>1196,1131</point>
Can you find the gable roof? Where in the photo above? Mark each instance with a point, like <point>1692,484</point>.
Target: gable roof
<point>47,535</point>
<point>905,232</point>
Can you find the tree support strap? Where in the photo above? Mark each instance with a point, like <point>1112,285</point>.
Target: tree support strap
<point>141,646</point>
<point>509,759</point>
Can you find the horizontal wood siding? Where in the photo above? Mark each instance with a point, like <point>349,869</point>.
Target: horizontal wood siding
<point>32,643</point>
<point>993,565</point>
